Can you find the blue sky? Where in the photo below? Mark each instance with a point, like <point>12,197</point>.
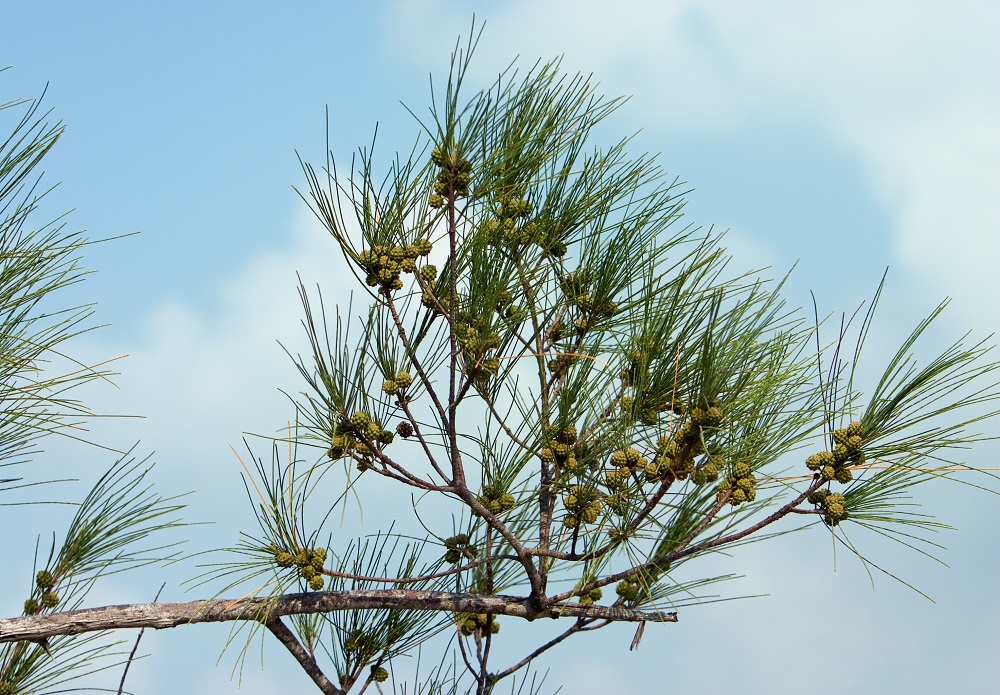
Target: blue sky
<point>848,137</point>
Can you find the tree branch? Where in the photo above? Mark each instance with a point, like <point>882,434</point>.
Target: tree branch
<point>573,629</point>
<point>305,659</point>
<point>263,609</point>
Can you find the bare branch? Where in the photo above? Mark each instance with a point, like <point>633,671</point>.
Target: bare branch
<point>305,659</point>
<point>572,630</point>
<point>263,609</point>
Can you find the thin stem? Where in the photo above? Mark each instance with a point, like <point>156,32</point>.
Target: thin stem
<point>534,578</point>
<point>669,558</point>
<point>503,424</point>
<point>579,625</point>
<point>412,354</point>
<point>421,578</point>
<point>135,647</point>
<point>457,472</point>
<point>465,655</point>
<point>405,405</point>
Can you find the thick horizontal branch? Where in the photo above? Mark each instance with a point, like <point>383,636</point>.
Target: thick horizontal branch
<point>164,615</point>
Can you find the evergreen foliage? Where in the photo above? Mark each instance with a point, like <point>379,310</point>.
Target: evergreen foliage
<point>577,389</point>
<point>38,380</point>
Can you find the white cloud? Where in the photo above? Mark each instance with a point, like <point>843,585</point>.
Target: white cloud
<point>202,375</point>
<point>910,88</point>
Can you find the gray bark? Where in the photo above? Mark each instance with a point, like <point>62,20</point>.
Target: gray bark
<point>261,609</point>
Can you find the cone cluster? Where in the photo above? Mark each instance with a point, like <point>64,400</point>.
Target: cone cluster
<point>436,297</point>
<point>511,313</point>
<point>832,504</point>
<point>496,499</point>
<point>589,307</point>
<point>847,452</point>
<point>45,583</point>
<point>384,264</point>
<point>361,643</point>
<point>740,485</point>
<point>475,340</point>
<point>469,623</point>
<point>361,434</point>
<point>636,368</point>
<point>459,548</point>
<point>308,562</point>
<point>453,177</point>
<point>674,458</point>
<point>708,472</point>
<point>400,382</point>
<point>583,505</point>
<point>628,589</point>
<point>509,226</point>
<point>560,449</point>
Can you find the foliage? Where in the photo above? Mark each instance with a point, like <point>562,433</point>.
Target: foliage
<point>38,381</point>
<point>577,392</point>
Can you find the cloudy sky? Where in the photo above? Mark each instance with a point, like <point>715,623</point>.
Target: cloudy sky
<point>848,137</point>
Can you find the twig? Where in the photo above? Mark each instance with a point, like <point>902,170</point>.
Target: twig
<point>135,647</point>
<point>421,578</point>
<point>576,627</point>
<point>411,352</point>
<point>405,405</point>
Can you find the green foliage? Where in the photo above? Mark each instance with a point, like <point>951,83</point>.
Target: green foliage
<point>585,395</point>
<point>37,378</point>
<point>579,379</point>
<point>112,526</point>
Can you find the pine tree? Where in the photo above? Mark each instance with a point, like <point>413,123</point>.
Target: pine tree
<point>582,397</point>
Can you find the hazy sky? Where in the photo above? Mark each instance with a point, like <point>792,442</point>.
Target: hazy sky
<point>848,136</point>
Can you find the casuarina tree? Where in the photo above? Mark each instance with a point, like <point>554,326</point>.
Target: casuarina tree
<point>579,395</point>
